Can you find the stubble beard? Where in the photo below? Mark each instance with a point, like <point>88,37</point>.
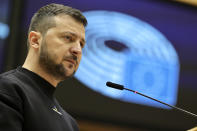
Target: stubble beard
<point>48,64</point>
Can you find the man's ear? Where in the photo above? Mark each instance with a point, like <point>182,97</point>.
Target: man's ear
<point>35,39</point>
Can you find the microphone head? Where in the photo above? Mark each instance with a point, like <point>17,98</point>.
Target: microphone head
<point>114,85</point>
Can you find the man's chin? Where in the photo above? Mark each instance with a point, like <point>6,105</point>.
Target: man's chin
<point>65,72</point>
<point>69,72</point>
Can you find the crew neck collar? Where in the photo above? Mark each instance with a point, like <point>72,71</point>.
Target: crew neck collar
<point>44,85</point>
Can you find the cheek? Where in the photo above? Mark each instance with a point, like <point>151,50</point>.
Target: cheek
<point>55,45</point>
<point>58,51</point>
<point>55,56</point>
<point>79,59</point>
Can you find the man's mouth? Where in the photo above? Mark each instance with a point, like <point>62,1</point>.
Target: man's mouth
<point>71,61</point>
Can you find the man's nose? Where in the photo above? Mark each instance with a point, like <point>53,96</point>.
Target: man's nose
<point>76,49</point>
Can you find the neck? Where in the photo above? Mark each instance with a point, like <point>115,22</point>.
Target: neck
<point>43,74</point>
<point>33,66</point>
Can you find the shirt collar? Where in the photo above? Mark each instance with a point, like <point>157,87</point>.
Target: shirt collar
<point>43,84</point>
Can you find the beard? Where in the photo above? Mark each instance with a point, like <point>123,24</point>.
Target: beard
<point>49,65</point>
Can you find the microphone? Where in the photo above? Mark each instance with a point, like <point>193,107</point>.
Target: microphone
<point>121,87</point>
<point>116,86</point>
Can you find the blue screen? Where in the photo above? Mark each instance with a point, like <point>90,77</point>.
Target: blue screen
<point>126,50</point>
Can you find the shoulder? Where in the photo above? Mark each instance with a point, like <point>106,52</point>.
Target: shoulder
<point>8,84</point>
<point>10,96</point>
<point>8,76</point>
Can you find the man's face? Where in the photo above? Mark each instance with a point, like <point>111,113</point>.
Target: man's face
<point>61,47</point>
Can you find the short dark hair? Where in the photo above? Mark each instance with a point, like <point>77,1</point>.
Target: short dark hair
<point>42,19</point>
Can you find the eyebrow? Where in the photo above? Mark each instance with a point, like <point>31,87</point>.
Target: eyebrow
<point>75,35</point>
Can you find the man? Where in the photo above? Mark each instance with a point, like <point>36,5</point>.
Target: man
<point>55,40</point>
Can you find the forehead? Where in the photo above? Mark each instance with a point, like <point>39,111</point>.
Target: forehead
<point>68,23</point>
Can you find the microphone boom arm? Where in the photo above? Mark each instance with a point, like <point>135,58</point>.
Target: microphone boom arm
<point>121,87</point>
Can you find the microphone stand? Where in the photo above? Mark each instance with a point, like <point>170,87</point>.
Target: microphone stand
<point>121,87</point>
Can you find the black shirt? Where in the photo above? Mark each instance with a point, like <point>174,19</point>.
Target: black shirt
<point>27,103</point>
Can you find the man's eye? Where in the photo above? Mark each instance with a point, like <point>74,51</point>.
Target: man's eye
<point>82,45</point>
<point>68,37</point>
